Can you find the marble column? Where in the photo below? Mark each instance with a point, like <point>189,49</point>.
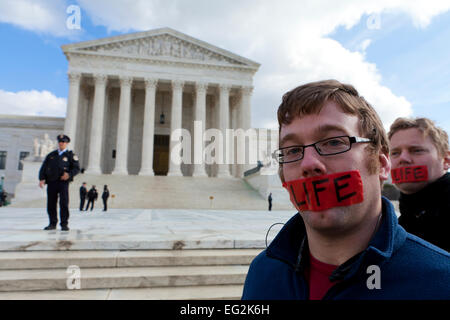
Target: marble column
<point>175,123</point>
<point>224,111</point>
<point>123,127</point>
<point>245,115</point>
<point>70,124</point>
<point>245,123</point>
<point>200,115</point>
<point>95,142</point>
<point>234,125</point>
<point>149,128</point>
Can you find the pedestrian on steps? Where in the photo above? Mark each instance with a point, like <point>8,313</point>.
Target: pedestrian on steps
<point>92,196</point>
<point>105,197</point>
<point>83,193</point>
<point>270,201</point>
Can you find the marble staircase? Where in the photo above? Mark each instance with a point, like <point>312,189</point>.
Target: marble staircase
<point>166,193</point>
<point>122,275</point>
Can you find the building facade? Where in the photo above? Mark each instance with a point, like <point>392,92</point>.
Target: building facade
<point>128,94</point>
<point>21,137</point>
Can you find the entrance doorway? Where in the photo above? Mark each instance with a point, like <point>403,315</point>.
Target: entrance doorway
<point>161,154</point>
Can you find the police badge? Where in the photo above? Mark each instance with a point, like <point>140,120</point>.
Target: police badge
<point>65,159</point>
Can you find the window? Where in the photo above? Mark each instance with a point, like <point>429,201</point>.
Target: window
<point>22,156</point>
<point>2,160</point>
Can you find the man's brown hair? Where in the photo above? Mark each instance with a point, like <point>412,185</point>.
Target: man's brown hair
<point>428,128</point>
<point>311,97</point>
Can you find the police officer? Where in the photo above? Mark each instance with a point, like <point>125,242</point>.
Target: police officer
<point>57,171</point>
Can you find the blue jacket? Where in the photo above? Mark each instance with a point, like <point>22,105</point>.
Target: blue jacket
<point>410,268</point>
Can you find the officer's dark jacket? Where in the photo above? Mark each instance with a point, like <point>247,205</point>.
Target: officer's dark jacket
<point>410,268</point>
<point>54,166</point>
<point>426,213</point>
<point>105,194</point>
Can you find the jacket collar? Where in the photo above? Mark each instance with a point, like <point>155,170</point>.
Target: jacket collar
<point>291,245</point>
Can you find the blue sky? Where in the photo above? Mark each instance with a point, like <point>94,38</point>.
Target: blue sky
<point>414,63</point>
<point>402,66</point>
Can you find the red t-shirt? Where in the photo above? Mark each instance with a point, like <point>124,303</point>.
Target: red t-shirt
<point>317,275</point>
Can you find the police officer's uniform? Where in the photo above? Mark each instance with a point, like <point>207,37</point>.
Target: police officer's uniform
<point>53,168</point>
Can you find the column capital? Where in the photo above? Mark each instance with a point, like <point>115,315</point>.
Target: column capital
<point>74,77</point>
<point>177,84</point>
<point>126,81</point>
<point>151,83</point>
<point>247,90</point>
<point>201,86</point>
<point>225,87</point>
<point>100,79</point>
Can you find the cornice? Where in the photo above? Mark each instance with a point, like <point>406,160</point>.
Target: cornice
<point>76,47</point>
<point>163,61</point>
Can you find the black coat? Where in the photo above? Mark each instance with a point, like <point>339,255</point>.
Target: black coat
<point>105,194</point>
<point>83,192</point>
<point>54,166</point>
<point>92,194</point>
<point>426,213</point>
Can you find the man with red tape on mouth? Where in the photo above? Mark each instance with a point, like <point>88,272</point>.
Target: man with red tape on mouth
<point>418,145</point>
<point>345,242</point>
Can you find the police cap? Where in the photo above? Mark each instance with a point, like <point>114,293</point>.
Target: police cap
<point>63,138</point>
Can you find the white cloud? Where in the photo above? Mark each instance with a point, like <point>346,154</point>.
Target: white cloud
<point>42,103</point>
<point>40,16</point>
<point>364,45</point>
<point>289,38</point>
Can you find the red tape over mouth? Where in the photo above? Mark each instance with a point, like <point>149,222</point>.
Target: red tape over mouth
<point>409,174</point>
<point>327,191</point>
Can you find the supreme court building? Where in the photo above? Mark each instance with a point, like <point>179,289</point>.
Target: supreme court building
<point>128,94</point>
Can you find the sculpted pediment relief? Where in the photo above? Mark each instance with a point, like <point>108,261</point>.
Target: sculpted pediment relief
<point>164,45</point>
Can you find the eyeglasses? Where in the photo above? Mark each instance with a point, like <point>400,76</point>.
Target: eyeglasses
<point>326,147</point>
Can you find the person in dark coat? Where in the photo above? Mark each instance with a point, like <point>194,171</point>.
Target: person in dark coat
<point>92,196</point>
<point>83,193</point>
<point>2,198</point>
<point>419,146</point>
<point>105,196</point>
<point>57,171</point>
<point>270,201</point>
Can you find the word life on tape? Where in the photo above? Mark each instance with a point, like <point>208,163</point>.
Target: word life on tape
<point>409,174</point>
<point>327,191</point>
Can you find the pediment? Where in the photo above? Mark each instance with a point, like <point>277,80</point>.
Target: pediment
<point>161,44</point>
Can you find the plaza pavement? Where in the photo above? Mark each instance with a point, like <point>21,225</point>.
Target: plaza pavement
<point>139,229</point>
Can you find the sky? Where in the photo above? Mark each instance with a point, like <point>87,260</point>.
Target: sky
<point>395,52</point>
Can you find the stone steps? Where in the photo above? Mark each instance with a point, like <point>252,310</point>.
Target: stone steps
<point>129,277</point>
<point>146,274</point>
<point>117,259</point>
<point>217,292</point>
<point>165,193</point>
